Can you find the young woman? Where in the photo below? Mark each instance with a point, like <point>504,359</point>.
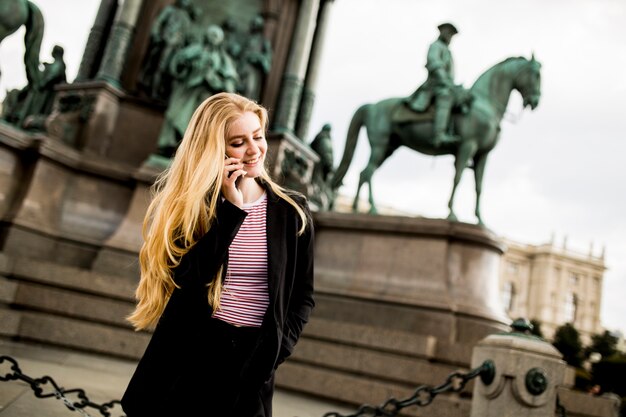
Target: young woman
<point>226,272</point>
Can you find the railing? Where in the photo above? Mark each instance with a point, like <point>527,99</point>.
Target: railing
<point>424,395</point>
<point>46,387</point>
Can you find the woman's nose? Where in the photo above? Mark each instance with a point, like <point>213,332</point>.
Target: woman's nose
<point>252,149</point>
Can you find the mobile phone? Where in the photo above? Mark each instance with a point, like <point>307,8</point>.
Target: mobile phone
<point>230,172</point>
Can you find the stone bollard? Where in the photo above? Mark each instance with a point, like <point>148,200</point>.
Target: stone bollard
<point>527,373</point>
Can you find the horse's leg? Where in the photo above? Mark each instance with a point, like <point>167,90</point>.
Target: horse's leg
<point>479,170</point>
<point>466,150</point>
<point>355,204</point>
<point>377,157</point>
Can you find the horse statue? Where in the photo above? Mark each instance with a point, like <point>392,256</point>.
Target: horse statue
<point>15,13</point>
<point>477,129</point>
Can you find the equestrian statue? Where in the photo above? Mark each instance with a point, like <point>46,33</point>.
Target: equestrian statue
<point>466,124</point>
<point>14,14</point>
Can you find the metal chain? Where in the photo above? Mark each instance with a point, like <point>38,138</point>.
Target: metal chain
<point>46,387</point>
<point>559,408</point>
<point>422,396</point>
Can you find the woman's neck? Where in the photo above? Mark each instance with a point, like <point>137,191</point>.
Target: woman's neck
<point>250,189</point>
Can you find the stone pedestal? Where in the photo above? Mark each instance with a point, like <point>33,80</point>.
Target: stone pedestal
<point>400,302</point>
<point>528,371</point>
<point>60,205</point>
<point>443,274</point>
<point>119,254</point>
<point>98,119</point>
<point>290,161</point>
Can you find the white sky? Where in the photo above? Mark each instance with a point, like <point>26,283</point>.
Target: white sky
<point>557,171</point>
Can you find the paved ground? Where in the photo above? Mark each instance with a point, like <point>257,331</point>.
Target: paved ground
<point>103,379</point>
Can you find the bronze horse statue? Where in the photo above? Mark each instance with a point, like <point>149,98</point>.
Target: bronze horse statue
<point>478,129</point>
<point>14,14</point>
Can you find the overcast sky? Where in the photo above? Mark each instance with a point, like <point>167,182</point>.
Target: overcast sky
<point>557,172</point>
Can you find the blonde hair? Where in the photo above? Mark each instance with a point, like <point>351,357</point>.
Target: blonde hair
<point>184,204</point>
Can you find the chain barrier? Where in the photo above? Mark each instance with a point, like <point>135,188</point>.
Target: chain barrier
<point>46,387</point>
<point>562,412</point>
<point>423,395</point>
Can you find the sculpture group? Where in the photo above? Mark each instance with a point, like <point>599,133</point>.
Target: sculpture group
<point>470,135</point>
<point>182,67</point>
<point>185,63</point>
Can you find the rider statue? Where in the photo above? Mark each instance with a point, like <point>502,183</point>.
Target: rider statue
<point>439,86</point>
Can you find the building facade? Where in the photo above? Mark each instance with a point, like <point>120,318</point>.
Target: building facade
<point>553,285</point>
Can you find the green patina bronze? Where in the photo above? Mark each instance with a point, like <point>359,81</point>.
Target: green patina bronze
<point>322,145</point>
<point>476,129</point>
<point>199,70</point>
<point>255,60</point>
<point>189,58</point>
<point>251,52</point>
<point>169,33</point>
<point>29,106</point>
<point>439,87</point>
<point>536,381</point>
<point>233,38</point>
<point>13,15</point>
<point>523,328</point>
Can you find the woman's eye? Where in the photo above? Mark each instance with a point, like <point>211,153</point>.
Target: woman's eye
<point>236,145</point>
<point>259,138</point>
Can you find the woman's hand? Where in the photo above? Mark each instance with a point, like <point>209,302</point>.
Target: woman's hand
<point>233,171</point>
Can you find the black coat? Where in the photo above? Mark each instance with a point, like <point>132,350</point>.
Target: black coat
<point>177,345</point>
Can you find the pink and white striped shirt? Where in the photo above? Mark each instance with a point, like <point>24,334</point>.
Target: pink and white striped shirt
<point>245,294</point>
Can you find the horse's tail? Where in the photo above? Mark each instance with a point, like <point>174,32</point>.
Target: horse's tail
<point>32,42</point>
<point>348,153</point>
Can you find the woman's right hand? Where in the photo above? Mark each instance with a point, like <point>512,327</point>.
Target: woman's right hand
<point>233,170</point>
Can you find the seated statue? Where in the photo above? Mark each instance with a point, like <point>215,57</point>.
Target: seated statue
<point>36,101</point>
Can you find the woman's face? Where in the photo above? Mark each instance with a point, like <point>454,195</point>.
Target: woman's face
<point>245,141</point>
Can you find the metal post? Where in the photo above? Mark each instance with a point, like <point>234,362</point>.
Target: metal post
<point>527,372</point>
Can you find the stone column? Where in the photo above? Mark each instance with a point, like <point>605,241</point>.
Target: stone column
<point>121,37</point>
<point>310,86</point>
<point>291,89</point>
<point>528,371</point>
<point>89,63</point>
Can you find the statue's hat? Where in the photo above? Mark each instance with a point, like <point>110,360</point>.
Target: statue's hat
<point>449,26</point>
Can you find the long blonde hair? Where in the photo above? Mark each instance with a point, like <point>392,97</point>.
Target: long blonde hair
<point>185,199</point>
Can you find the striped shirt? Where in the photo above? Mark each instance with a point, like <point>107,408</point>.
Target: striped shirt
<point>245,296</point>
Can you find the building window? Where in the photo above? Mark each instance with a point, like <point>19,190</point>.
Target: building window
<point>571,307</point>
<point>573,278</point>
<point>513,268</point>
<point>508,296</point>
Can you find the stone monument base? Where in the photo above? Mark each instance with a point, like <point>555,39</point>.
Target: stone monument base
<point>400,302</point>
